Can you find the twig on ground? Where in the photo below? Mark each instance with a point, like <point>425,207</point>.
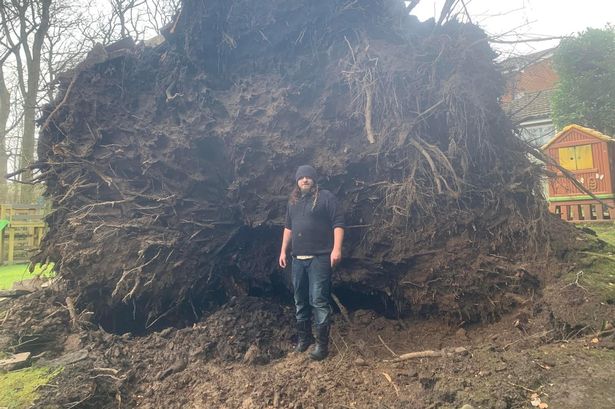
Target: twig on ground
<point>388,378</point>
<point>540,334</point>
<point>538,391</point>
<point>343,309</point>
<point>71,311</point>
<point>591,253</point>
<point>576,282</point>
<point>6,316</point>
<point>428,354</point>
<point>387,347</point>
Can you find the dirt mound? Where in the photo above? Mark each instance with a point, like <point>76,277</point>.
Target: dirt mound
<point>169,167</point>
<point>249,364</point>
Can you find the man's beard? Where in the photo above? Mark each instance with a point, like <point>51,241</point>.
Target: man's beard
<point>305,189</point>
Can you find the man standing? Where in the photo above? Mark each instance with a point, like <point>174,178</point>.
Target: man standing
<point>315,226</point>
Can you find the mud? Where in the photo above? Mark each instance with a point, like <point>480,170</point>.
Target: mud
<point>169,168</point>
<point>241,357</point>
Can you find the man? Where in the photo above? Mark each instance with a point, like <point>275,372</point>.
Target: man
<point>315,226</point>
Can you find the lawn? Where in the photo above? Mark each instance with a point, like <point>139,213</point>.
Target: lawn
<point>18,389</point>
<point>18,272</point>
<point>605,231</point>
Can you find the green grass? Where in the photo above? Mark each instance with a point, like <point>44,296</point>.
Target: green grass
<point>604,231</point>
<point>598,275</point>
<point>598,265</point>
<point>18,389</point>
<point>18,272</point>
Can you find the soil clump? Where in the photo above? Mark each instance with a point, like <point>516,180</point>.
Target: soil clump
<point>169,168</point>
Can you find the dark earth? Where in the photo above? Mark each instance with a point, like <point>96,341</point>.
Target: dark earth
<point>169,169</point>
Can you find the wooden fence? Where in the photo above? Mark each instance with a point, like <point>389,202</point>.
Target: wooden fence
<point>21,230</point>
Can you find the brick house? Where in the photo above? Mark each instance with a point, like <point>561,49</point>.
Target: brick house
<point>531,80</point>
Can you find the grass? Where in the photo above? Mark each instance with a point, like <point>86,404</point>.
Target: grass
<point>598,266</point>
<point>604,231</point>
<point>18,389</point>
<point>18,272</point>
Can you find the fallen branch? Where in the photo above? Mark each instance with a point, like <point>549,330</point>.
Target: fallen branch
<point>6,316</point>
<point>388,378</point>
<point>387,347</point>
<point>591,253</point>
<point>13,293</point>
<point>70,305</point>
<point>429,354</point>
<point>343,309</point>
<point>368,112</point>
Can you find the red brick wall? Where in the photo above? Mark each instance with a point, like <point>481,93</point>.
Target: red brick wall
<point>539,76</point>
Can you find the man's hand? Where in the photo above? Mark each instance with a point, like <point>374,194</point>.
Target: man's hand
<point>336,257</point>
<point>286,238</point>
<point>282,260</point>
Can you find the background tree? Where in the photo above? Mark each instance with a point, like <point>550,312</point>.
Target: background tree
<point>586,91</point>
<point>40,39</point>
<point>20,20</point>
<point>5,100</point>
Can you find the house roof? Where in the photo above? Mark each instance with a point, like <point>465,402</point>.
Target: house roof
<point>521,62</point>
<point>588,131</point>
<point>533,105</point>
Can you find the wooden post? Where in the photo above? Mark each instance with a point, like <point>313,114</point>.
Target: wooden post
<point>587,214</point>
<point>2,207</point>
<point>11,245</point>
<point>574,210</point>
<point>600,212</point>
<point>31,240</point>
<point>2,247</point>
<point>566,212</point>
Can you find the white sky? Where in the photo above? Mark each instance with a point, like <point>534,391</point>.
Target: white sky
<point>530,19</point>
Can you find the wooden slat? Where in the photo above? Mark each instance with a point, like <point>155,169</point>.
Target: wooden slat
<point>11,251</point>
<point>586,212</point>
<point>23,206</point>
<point>21,224</point>
<point>26,217</point>
<point>24,233</point>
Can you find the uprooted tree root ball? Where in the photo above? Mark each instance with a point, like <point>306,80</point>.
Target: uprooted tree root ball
<point>169,167</point>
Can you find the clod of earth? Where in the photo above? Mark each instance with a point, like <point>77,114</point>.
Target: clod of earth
<point>16,361</point>
<point>169,167</point>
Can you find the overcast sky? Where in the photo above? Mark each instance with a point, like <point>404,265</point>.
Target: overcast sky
<point>530,18</point>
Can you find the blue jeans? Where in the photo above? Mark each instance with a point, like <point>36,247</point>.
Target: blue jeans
<point>312,285</point>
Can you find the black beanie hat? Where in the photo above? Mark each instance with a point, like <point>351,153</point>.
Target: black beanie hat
<point>305,170</point>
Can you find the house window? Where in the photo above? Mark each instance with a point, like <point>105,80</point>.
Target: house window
<point>576,157</point>
<point>537,135</point>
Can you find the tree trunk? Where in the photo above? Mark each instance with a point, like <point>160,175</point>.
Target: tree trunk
<point>5,98</point>
<point>34,71</point>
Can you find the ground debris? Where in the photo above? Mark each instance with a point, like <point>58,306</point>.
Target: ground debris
<point>17,361</point>
<point>441,201</point>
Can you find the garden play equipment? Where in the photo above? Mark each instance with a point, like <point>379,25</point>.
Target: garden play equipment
<point>587,154</point>
<point>21,231</point>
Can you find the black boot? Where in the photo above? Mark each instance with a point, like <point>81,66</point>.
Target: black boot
<point>304,336</point>
<point>322,343</point>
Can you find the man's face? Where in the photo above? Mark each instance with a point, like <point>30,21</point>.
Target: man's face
<point>305,184</point>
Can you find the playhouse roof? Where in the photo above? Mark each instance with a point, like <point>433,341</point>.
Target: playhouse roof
<point>588,131</point>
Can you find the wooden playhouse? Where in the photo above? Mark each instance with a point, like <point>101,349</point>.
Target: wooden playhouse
<point>589,155</point>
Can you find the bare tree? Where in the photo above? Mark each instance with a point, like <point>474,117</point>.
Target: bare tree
<point>117,19</point>
<point>159,13</point>
<point>5,101</point>
<point>8,102</point>
<point>64,45</point>
<point>20,20</point>
<point>42,38</point>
